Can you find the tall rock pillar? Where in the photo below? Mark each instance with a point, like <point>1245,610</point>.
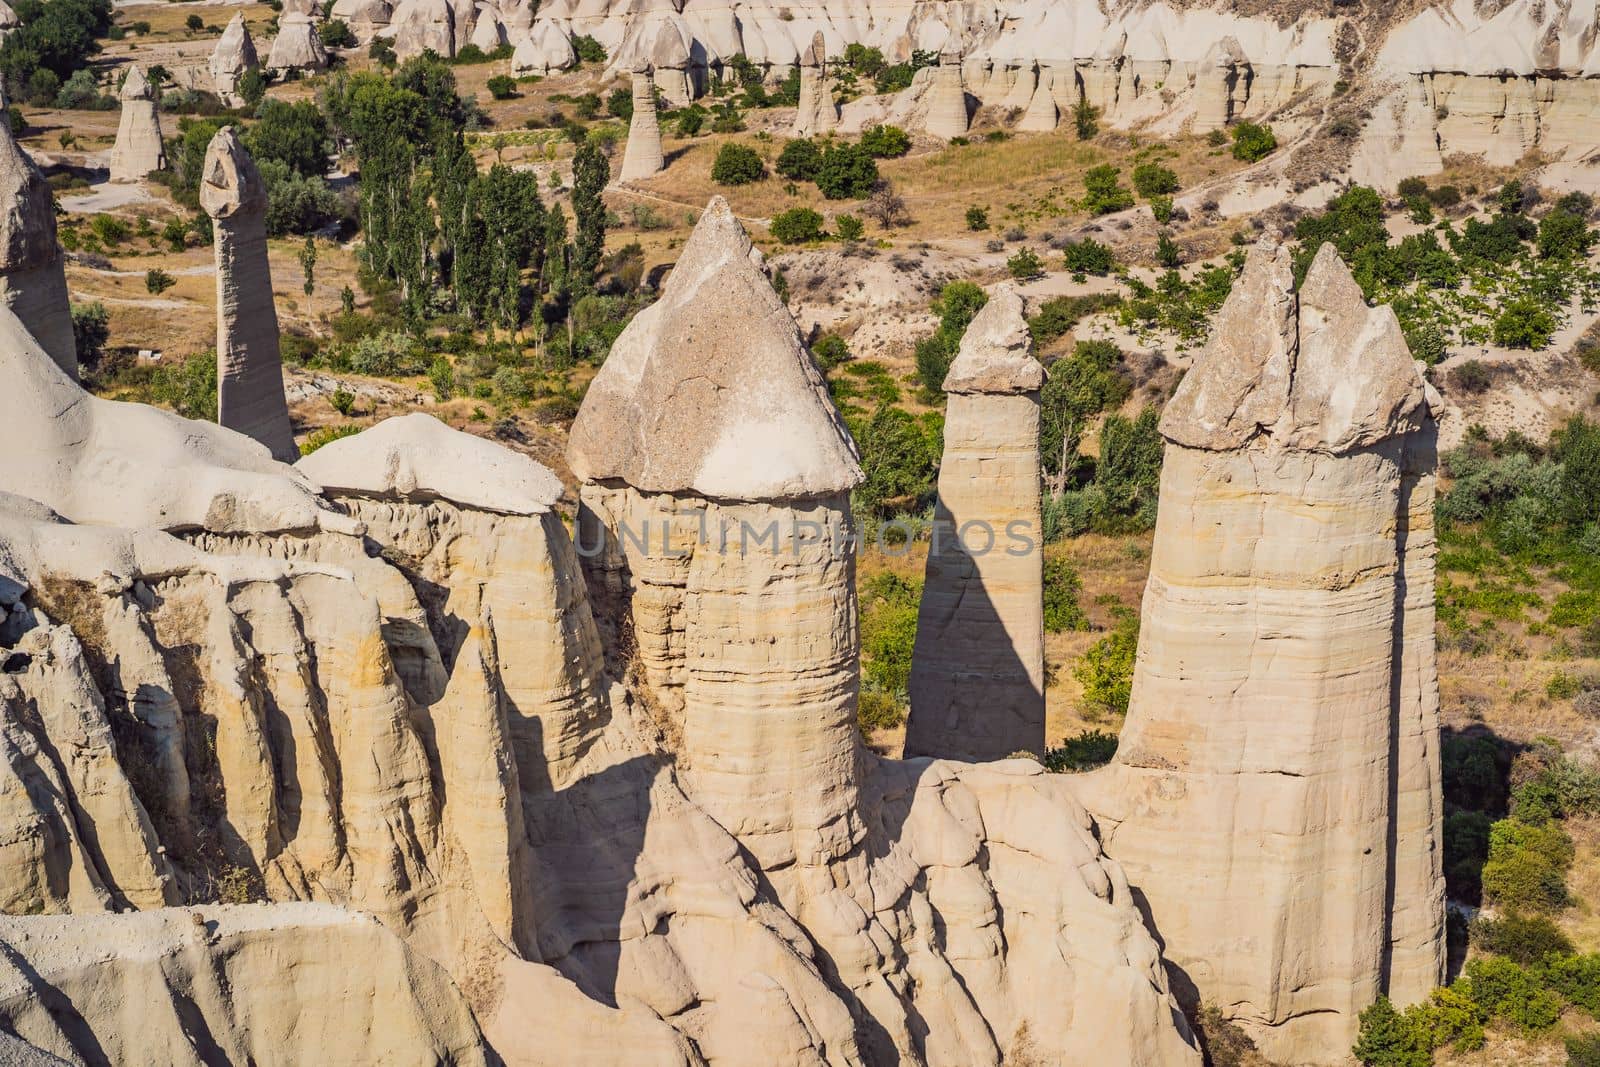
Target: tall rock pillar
<point>138,149</point>
<point>817,112</point>
<point>947,100</point>
<point>717,474</point>
<point>1275,795</point>
<point>33,282</point>
<point>643,157</point>
<point>977,672</point>
<point>249,370</point>
<point>234,55</point>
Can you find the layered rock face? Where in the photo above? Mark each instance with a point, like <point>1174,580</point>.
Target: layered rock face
<point>977,673</point>
<point>423,25</point>
<point>234,55</point>
<point>249,370</point>
<point>545,50</point>
<point>297,46</point>
<point>715,525</point>
<point>33,281</point>
<point>817,112</point>
<point>947,99</point>
<point>1275,795</point>
<point>138,149</point>
<point>642,158</point>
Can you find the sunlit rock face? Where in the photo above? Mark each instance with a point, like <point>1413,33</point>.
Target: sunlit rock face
<point>1275,795</point>
<point>33,280</point>
<point>642,158</point>
<point>977,674</point>
<point>137,150</point>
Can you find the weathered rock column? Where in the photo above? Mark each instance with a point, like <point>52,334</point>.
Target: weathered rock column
<point>297,46</point>
<point>816,113</point>
<point>1274,797</point>
<point>947,100</point>
<point>234,55</point>
<point>719,473</point>
<point>33,282</point>
<point>1041,115</point>
<point>643,157</point>
<point>138,149</point>
<point>1214,83</point>
<point>249,370</point>
<point>669,56</point>
<point>977,673</point>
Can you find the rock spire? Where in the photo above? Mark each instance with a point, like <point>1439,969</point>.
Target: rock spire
<point>249,371</point>
<point>297,46</point>
<point>947,99</point>
<point>1275,794</point>
<point>643,158</point>
<point>234,55</point>
<point>33,281</point>
<point>977,673</point>
<point>138,149</point>
<point>817,112</point>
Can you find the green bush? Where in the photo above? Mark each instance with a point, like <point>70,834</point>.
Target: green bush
<point>1564,235</point>
<point>158,281</point>
<point>736,164</point>
<point>1168,254</point>
<point>588,49</point>
<point>799,160</point>
<point>977,218</point>
<point>849,228</point>
<point>846,172</point>
<point>958,304</point>
<point>1524,323</point>
<point>1508,991</point>
<point>188,387</point>
<point>1060,314</point>
<point>1527,939</point>
<point>1106,670</point>
<point>830,351</point>
<point>1062,587</point>
<point>1583,1051</point>
<point>889,605</point>
<point>326,435</point>
<point>90,330</point>
<point>1161,209</point>
<point>1024,265</point>
<point>1102,194</point>
<point>1252,142</point>
<point>1085,752</point>
<point>1152,180</point>
<point>878,709</point>
<point>503,87</point>
<point>899,455</point>
<point>886,142</point>
<point>1575,978</point>
<point>1388,1039</point>
<point>336,33</point>
<point>798,225</point>
<point>1527,866</point>
<point>1466,847</point>
<point>1089,256</point>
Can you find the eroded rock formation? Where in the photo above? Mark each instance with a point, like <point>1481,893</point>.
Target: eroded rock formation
<point>249,370</point>
<point>1275,795</point>
<point>642,158</point>
<point>33,280</point>
<point>234,55</point>
<point>423,25</point>
<point>297,46</point>
<point>977,675</point>
<point>817,112</point>
<point>137,150</point>
<point>947,99</point>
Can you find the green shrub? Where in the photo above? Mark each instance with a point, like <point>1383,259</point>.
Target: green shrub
<point>1527,939</point>
<point>158,281</point>
<point>798,225</point>
<point>1583,1051</point>
<point>327,435</point>
<point>846,172</point>
<point>1466,847</point>
<point>830,351</point>
<point>849,228</point>
<point>736,164</point>
<point>1510,992</point>
<point>1527,866</point>
<point>889,605</point>
<point>1161,209</point>
<point>1106,670</point>
<point>1062,587</point>
<point>1089,256</point>
<point>1168,254</point>
<point>977,218</point>
<point>336,33</point>
<point>1152,180</point>
<point>1575,978</point>
<point>1102,194</point>
<point>1085,752</point>
<point>90,330</point>
<point>886,142</point>
<point>1388,1039</point>
<point>799,160</point>
<point>1564,235</point>
<point>1060,314</point>
<point>1450,1017</point>
<point>958,304</point>
<point>1024,265</point>
<point>503,87</point>
<point>878,709</point>
<point>1471,377</point>
<point>188,387</point>
<point>1252,142</point>
<point>899,454</point>
<point>1524,323</point>
<point>588,49</point>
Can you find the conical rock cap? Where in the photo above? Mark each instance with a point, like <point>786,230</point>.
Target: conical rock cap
<point>710,390</point>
